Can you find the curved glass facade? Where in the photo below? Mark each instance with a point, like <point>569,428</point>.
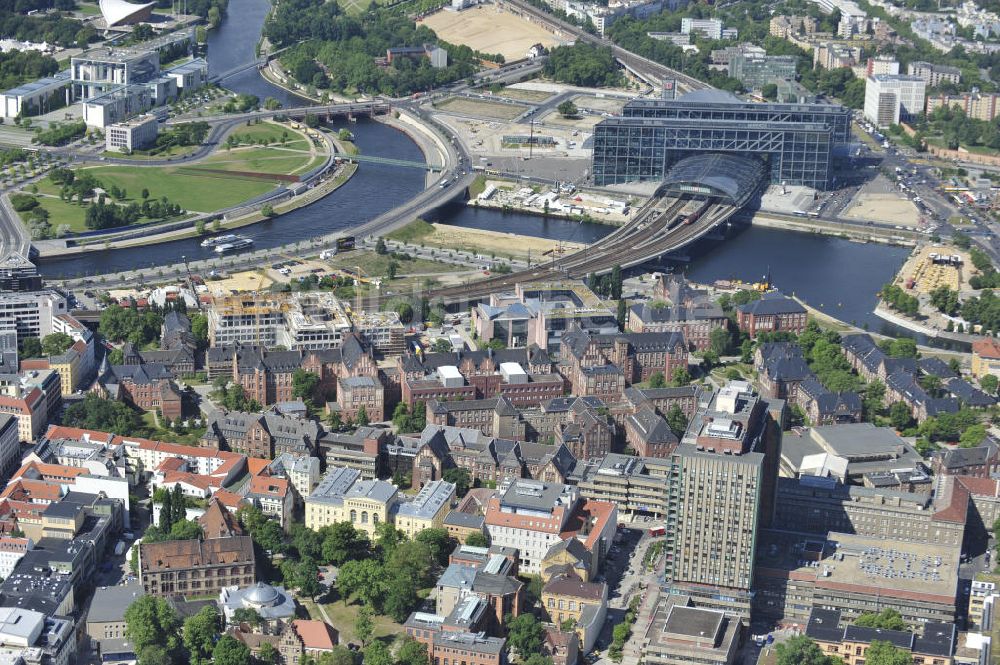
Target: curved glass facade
<point>735,177</point>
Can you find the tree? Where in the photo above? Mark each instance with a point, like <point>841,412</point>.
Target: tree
<point>154,655</point>
<point>178,506</point>
<point>524,633</point>
<point>900,415</point>
<point>680,377</point>
<point>438,542</point>
<point>56,344</point>
<point>362,416</point>
<point>103,415</point>
<point>342,543</point>
<point>267,210</point>
<point>304,384</point>
<point>199,634</point>
<point>366,578</point>
<point>622,314</point>
<point>677,421</point>
<point>989,384</point>
<point>412,653</point>
<point>476,539</point>
<point>567,109</point>
<point>656,380</point>
<point>459,477</point>
<point>230,651</point>
<point>267,654</point>
<point>307,579</point>
<point>151,621</point>
<point>166,512</point>
<point>199,328</point>
<point>391,271</point>
<point>186,530</point>
<point>247,615</point>
<point>887,619</point>
<point>972,436</point>
<point>881,652</point>
<point>31,347</point>
<point>769,91</point>
<point>380,247</point>
<point>719,341</point>
<point>800,650</point>
<point>144,193</point>
<point>616,283</point>
<point>377,653</point>
<point>364,625</point>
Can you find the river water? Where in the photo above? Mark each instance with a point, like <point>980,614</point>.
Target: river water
<point>838,277</point>
<point>374,189</point>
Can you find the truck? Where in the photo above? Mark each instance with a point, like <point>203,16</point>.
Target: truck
<point>657,531</point>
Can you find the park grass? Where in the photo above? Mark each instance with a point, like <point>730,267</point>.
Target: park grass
<point>60,212</point>
<point>272,132</point>
<point>145,155</point>
<point>413,231</point>
<point>344,617</point>
<point>258,160</point>
<point>191,438</point>
<point>187,188</point>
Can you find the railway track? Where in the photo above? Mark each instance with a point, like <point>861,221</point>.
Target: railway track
<point>656,230</point>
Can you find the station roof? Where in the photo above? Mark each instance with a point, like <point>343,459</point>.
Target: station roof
<point>733,177</point>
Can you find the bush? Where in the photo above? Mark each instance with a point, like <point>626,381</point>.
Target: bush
<point>23,202</point>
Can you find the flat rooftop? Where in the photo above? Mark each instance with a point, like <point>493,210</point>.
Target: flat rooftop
<point>861,564</point>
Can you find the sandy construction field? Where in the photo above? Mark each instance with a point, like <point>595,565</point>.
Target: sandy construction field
<point>889,208</point>
<point>483,28</point>
<point>495,242</point>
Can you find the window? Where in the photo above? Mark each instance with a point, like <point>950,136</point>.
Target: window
<point>354,515</point>
<point>364,517</point>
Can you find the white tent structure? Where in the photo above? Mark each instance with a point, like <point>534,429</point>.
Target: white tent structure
<point>119,12</point>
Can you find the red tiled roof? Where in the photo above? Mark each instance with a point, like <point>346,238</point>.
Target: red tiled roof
<point>986,348</point>
<point>980,486</point>
<point>268,485</point>
<point>316,635</point>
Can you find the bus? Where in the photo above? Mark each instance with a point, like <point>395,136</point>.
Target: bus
<point>347,242</point>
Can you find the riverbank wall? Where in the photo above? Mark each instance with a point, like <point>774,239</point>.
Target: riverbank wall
<point>851,232</point>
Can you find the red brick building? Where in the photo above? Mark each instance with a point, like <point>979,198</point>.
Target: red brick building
<point>771,313</point>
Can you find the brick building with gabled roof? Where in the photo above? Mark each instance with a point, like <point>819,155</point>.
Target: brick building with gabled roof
<point>196,567</point>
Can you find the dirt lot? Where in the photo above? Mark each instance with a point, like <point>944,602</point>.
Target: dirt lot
<point>601,104</point>
<point>889,208</point>
<point>494,242</point>
<point>480,108</point>
<point>487,30</point>
<point>580,122</point>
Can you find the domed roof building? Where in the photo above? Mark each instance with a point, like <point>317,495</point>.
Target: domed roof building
<point>274,605</point>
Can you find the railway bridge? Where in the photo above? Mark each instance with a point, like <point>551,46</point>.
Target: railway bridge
<point>698,194</point>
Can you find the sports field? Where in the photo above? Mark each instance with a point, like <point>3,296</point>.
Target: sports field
<point>484,29</point>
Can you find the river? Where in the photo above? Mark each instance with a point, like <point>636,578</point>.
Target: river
<point>374,189</point>
<point>836,276</point>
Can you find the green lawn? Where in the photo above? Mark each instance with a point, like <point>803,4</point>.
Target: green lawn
<point>273,132</point>
<point>188,189</point>
<point>414,231</point>
<point>61,212</point>
<point>375,265</point>
<point>259,160</point>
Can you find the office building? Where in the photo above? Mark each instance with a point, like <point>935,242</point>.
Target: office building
<point>755,71</point>
<point>853,574</point>
<point>720,493</point>
<point>709,28</point>
<point>653,134</point>
<point>134,134</point>
<point>36,97</point>
<point>106,618</point>
<point>977,105</point>
<point>34,638</point>
<point>680,634</point>
<point>532,516</point>
<point>772,312</point>
<point>31,313</point>
<point>891,99</point>
<point>934,75</point>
